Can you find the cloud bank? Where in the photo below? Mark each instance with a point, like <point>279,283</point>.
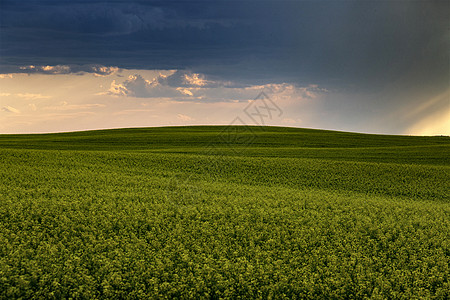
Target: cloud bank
<point>10,109</point>
<point>8,71</point>
<point>344,43</point>
<point>190,86</point>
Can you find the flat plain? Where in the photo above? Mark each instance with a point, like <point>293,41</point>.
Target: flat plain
<point>224,212</point>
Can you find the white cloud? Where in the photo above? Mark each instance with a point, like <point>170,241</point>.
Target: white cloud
<point>138,86</point>
<point>65,106</point>
<point>188,79</point>
<point>185,118</point>
<point>115,90</point>
<point>186,92</point>
<point>188,86</point>
<point>102,71</point>
<point>26,96</point>
<point>30,96</point>
<point>97,70</point>
<point>10,109</point>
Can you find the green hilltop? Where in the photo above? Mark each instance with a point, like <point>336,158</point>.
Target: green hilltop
<point>246,141</point>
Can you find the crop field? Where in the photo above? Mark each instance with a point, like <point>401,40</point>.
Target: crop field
<point>215,212</point>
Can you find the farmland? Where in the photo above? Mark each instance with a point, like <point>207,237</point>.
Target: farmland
<point>224,212</point>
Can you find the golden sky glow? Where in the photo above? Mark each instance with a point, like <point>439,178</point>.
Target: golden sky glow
<point>135,98</point>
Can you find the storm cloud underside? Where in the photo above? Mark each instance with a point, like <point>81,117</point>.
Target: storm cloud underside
<point>375,59</point>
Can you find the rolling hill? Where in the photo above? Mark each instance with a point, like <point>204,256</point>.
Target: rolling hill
<point>224,212</point>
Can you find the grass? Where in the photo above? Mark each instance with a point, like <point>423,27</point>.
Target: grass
<point>224,212</point>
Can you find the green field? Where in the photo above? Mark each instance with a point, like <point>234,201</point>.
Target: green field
<point>224,212</point>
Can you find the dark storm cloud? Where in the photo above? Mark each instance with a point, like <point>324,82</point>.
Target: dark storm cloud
<point>341,43</point>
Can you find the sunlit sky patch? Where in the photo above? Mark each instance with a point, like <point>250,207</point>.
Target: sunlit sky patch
<point>379,67</point>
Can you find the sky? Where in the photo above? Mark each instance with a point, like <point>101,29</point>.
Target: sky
<point>360,66</point>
